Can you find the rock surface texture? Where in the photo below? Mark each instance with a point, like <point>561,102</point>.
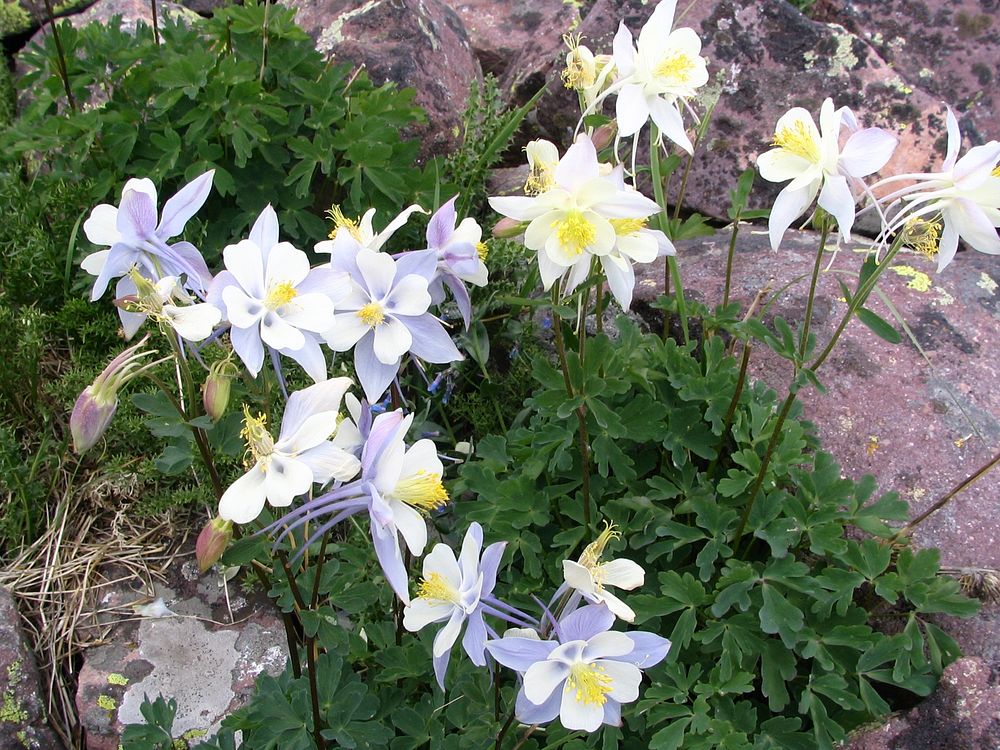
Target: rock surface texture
<point>195,655</point>
<point>22,710</point>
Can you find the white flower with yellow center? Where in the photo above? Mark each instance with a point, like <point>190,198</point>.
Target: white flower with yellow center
<point>363,230</point>
<point>812,159</point>
<point>591,577</point>
<point>304,453</point>
<point>193,321</point>
<point>569,223</point>
<point>663,67</point>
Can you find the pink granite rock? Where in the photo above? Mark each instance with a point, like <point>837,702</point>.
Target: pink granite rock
<point>416,43</point>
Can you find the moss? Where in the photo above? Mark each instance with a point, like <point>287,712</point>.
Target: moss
<point>13,19</point>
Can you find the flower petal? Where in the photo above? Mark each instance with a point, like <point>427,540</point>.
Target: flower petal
<point>430,341</point>
<point>392,340</point>
<point>578,714</point>
<point>631,110</point>
<point>622,573</point>
<point>243,501</point>
<point>836,199</point>
<point>243,260</point>
<point>519,654</point>
<point>668,119</point>
<point>310,358</point>
<point>447,635</point>
<point>788,206</point>
<point>586,622</point>
<point>408,296</point>
<point>542,678</point>
<point>185,204</point>
<point>328,462</point>
<point>625,679</point>
<point>285,479</point>
<point>278,334</point>
<point>420,613</point>
<point>101,227</point>
<point>264,232</point>
<point>650,649</point>
<point>866,152</point>
<point>247,344</point>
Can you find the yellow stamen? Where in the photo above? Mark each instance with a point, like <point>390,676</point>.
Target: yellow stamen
<point>676,68</point>
<point>575,232</point>
<point>539,180</point>
<point>435,588</point>
<point>371,314</point>
<point>798,140</point>
<point>280,294</point>
<point>624,227</point>
<point>591,557</point>
<point>422,490</point>
<point>260,444</point>
<point>483,250</point>
<point>996,171</point>
<point>590,683</point>
<point>342,222</point>
<point>922,236</point>
<point>577,75</point>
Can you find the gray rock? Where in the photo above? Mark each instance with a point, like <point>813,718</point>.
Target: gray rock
<point>23,722</point>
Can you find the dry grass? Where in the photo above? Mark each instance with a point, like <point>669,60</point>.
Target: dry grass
<point>92,543</point>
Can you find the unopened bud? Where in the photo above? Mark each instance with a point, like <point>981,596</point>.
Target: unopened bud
<point>216,389</point>
<point>90,418</point>
<point>604,135</point>
<point>212,542</point>
<point>508,227</point>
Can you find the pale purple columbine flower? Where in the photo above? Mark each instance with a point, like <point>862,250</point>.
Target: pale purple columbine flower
<point>585,676</point>
<point>460,253</point>
<point>271,296</point>
<point>456,592</point>
<point>303,455</point>
<point>136,238</point>
<point>815,163</point>
<point>964,196</point>
<point>384,315</point>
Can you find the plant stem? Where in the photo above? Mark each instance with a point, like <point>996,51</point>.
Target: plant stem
<point>61,56</point>
<point>527,733</point>
<point>961,486</point>
<point>504,729</point>
<point>156,23</point>
<point>670,268</point>
<point>581,414</point>
<point>807,323</point>
<point>729,261</point>
<point>314,693</point>
<point>733,403</point>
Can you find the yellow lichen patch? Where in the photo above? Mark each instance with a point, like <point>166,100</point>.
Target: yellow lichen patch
<point>117,679</point>
<point>436,588</point>
<point>590,683</point>
<point>107,702</point>
<point>797,139</point>
<point>986,282</point>
<point>918,280</point>
<point>422,490</point>
<point>371,314</point>
<point>574,232</point>
<point>872,446</point>
<point>626,227</point>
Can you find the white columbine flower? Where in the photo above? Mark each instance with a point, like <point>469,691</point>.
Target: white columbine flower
<point>303,454</point>
<point>193,321</point>
<point>570,222</point>
<point>665,66</point>
<point>362,229</point>
<point>813,159</point>
<point>591,577</point>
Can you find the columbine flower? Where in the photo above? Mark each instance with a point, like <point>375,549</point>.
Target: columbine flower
<point>137,239</point>
<point>812,159</point>
<point>384,315</point>
<point>543,158</point>
<point>452,591</point>
<point>460,255</point>
<point>571,221</point>
<point>662,68</point>
<point>964,196</point>
<point>96,406</point>
<point>302,455</point>
<point>193,321</point>
<point>270,296</point>
<point>585,676</point>
<point>362,231</point>
<point>590,576</point>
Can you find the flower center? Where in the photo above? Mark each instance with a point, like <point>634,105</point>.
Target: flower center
<point>260,444</point>
<point>280,294</point>
<point>540,178</point>
<point>675,68</point>
<point>437,589</point>
<point>422,490</point>
<point>574,232</point>
<point>592,553</point>
<point>371,314</point>
<point>482,250</point>
<point>797,139</point>
<point>922,236</point>
<point>590,682</point>
<point>625,227</point>
<point>342,222</point>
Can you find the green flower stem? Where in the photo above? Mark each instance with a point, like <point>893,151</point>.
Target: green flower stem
<point>60,56</point>
<point>807,323</point>
<point>733,403</point>
<point>961,486</point>
<point>581,414</point>
<point>314,693</point>
<point>156,23</point>
<point>729,261</point>
<point>670,268</point>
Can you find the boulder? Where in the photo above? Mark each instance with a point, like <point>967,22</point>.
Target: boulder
<point>417,43</point>
<point>206,653</point>
<point>23,722</point>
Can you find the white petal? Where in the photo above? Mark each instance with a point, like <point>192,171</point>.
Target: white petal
<point>285,479</point>
<point>243,311</point>
<point>668,119</point>
<point>441,560</point>
<point>578,577</point>
<point>101,227</point>
<point>789,205</point>
<point>622,573</point>
<point>625,679</point>
<point>94,262</point>
<point>308,312</point>
<point>836,199</point>
<point>542,678</point>
<point>420,613</point>
<point>576,714</point>
<point>243,261</point>
<point>244,500</point>
<point>278,334</point>
<point>409,296</point>
<point>326,462</point>
<point>392,340</point>
<point>194,322</point>
<point>447,635</point>
<point>778,165</point>
<point>346,330</point>
<point>866,152</point>
<point>378,271</point>
<point>411,525</point>
<point>607,644</point>
<point>631,110</point>
<point>285,264</point>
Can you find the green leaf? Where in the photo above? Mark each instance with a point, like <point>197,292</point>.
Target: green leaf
<point>879,326</point>
<point>671,737</point>
<point>779,616</point>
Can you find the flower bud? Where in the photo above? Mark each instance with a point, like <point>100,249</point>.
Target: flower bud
<point>90,418</point>
<point>508,227</point>
<point>603,136</point>
<point>216,389</point>
<point>212,542</point>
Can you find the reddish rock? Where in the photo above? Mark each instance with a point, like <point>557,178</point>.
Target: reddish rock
<point>23,723</point>
<point>962,714</point>
<point>949,48</point>
<point>198,655</point>
<point>765,58</point>
<point>416,43</point>
<point>515,41</point>
<point>919,425</point>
